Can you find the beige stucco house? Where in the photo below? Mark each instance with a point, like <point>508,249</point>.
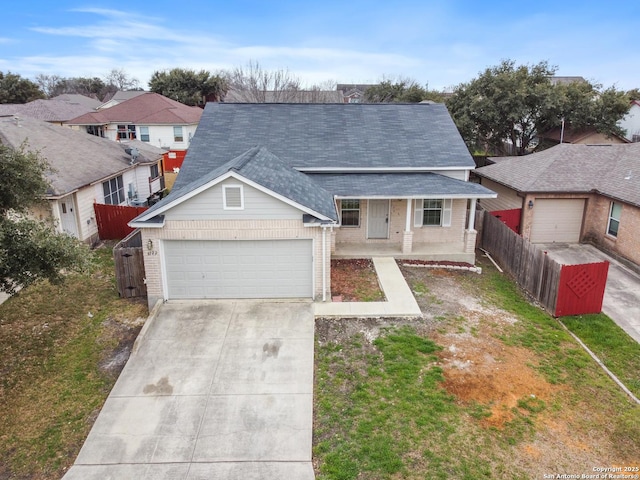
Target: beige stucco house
<point>269,193</point>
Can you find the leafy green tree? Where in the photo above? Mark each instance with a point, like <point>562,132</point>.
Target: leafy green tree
<point>188,86</point>
<point>15,89</point>
<point>403,91</point>
<point>633,94</point>
<point>509,104</point>
<point>30,250</point>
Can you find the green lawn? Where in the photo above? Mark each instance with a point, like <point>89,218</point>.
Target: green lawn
<point>382,410</point>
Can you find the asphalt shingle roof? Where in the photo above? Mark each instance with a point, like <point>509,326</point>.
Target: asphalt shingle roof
<point>386,185</point>
<point>328,136</point>
<point>146,108</point>
<point>78,159</point>
<point>58,109</point>
<point>262,167</point>
<point>612,170</point>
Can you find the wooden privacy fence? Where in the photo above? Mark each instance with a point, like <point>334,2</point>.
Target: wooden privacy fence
<point>112,220</point>
<point>511,218</point>
<point>561,289</point>
<point>128,257</point>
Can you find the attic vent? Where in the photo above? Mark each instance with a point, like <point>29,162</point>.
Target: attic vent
<point>232,197</point>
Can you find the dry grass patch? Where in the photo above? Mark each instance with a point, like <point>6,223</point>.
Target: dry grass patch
<point>62,348</point>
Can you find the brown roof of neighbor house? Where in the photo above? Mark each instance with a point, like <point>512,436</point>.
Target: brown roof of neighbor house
<point>147,108</point>
<point>58,109</point>
<point>612,170</point>
<point>78,159</point>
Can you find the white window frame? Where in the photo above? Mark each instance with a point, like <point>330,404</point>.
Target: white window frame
<point>614,219</point>
<point>178,138</point>
<point>225,204</point>
<point>110,193</point>
<point>144,132</point>
<point>358,209</point>
<point>445,212</point>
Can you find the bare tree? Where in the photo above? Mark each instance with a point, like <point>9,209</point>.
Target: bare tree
<point>121,80</point>
<point>256,85</point>
<point>49,84</point>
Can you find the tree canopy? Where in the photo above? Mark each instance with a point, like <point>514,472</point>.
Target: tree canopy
<point>30,249</point>
<point>402,90</point>
<point>15,89</point>
<point>188,86</point>
<point>514,104</point>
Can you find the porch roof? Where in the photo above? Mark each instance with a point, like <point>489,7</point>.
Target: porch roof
<point>398,185</point>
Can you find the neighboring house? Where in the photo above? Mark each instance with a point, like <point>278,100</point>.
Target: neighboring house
<point>631,122</point>
<point>586,136</point>
<point>56,110</point>
<point>352,92</point>
<point>268,193</point>
<point>148,117</point>
<point>573,193</point>
<point>86,170</point>
<point>119,97</point>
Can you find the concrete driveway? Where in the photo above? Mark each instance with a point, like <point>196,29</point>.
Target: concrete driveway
<point>622,293</point>
<point>214,389</point>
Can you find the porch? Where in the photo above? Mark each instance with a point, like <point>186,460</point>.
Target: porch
<point>444,251</point>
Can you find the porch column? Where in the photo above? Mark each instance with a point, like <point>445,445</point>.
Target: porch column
<point>472,214</point>
<point>470,235</point>
<point>407,237</point>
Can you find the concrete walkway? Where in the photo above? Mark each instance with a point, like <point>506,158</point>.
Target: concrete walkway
<point>214,389</point>
<point>622,294</point>
<point>400,300</point>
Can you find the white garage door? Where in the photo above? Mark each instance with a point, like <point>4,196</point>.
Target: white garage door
<point>239,269</point>
<point>557,220</point>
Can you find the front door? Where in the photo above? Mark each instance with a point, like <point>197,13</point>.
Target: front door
<point>68,216</point>
<point>378,219</point>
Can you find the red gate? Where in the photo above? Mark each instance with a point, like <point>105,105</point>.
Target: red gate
<point>581,289</point>
<point>112,220</point>
<point>511,218</point>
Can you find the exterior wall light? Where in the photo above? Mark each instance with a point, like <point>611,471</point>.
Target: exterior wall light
<point>149,244</point>
<point>530,206</point>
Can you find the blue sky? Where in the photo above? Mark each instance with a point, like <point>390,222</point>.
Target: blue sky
<point>437,43</point>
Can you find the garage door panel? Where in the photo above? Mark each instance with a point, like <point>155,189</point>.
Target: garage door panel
<point>557,220</point>
<point>239,269</point>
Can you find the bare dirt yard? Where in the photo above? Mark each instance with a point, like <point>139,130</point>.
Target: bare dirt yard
<point>541,407</point>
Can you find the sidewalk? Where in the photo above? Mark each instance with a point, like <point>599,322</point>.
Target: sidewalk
<point>400,301</point>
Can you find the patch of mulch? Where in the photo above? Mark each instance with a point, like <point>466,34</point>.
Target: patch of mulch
<point>355,280</point>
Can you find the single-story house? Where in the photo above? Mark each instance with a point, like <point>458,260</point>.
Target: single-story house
<point>572,193</point>
<point>268,193</point>
<point>86,170</point>
<point>576,136</point>
<point>55,110</point>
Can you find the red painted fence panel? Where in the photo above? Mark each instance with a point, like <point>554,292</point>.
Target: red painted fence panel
<point>511,218</point>
<point>173,159</point>
<point>112,220</point>
<point>581,289</point>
